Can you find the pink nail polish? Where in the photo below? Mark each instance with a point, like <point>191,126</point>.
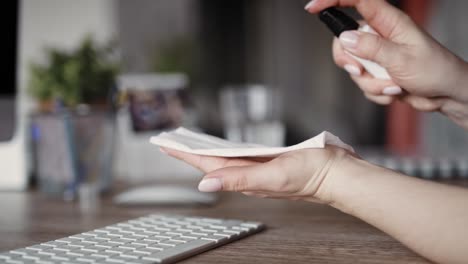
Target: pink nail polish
<point>309,5</point>
<point>392,90</point>
<point>352,69</point>
<point>210,185</point>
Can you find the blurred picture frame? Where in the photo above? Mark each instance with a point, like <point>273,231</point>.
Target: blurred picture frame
<point>154,101</point>
<point>148,104</point>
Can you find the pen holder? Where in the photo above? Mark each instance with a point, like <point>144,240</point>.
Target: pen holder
<point>71,149</point>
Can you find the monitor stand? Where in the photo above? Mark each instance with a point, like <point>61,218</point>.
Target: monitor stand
<point>13,160</point>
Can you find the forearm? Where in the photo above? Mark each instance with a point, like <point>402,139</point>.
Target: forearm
<point>429,218</point>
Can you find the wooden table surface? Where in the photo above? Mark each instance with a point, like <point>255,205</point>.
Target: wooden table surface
<point>297,232</point>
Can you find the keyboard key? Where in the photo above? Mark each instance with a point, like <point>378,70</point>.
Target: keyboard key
<point>162,237</point>
<point>177,240</point>
<point>81,236</point>
<point>38,247</point>
<point>9,256</point>
<point>235,232</point>
<point>206,230</point>
<point>197,233</point>
<point>165,243</point>
<point>48,253</point>
<point>91,259</point>
<point>90,250</point>
<point>22,251</point>
<point>242,228</point>
<point>224,234</point>
<point>104,254</point>
<point>152,240</point>
<point>46,261</point>
<point>30,257</point>
<point>61,258</point>
<point>212,220</point>
<point>138,244</point>
<point>117,250</point>
<point>169,242</point>
<point>54,244</point>
<point>17,261</point>
<point>252,224</point>
<point>129,247</point>
<point>73,254</point>
<point>156,247</point>
<point>119,241</point>
<point>215,238</point>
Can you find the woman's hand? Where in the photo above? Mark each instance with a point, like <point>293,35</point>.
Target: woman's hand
<point>424,73</point>
<point>297,175</point>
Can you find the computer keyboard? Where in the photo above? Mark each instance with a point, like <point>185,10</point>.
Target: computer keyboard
<point>435,166</point>
<point>148,239</point>
<point>424,167</point>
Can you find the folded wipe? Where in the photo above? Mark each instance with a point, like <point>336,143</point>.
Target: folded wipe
<point>202,144</point>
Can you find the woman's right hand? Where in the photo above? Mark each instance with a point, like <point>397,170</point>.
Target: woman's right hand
<point>423,73</point>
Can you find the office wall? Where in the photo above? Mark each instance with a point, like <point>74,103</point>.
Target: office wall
<point>447,24</point>
<point>290,50</point>
<point>146,24</point>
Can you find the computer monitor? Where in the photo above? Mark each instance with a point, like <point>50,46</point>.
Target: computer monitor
<point>8,89</point>
<point>13,159</point>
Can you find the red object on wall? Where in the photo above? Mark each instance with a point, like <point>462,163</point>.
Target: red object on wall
<point>403,122</point>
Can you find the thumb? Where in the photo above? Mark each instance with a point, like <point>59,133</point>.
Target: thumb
<point>259,177</point>
<point>371,47</point>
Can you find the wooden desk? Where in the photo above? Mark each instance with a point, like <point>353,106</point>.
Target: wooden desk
<point>297,232</point>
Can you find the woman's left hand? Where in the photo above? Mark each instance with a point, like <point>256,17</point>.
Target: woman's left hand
<point>297,175</point>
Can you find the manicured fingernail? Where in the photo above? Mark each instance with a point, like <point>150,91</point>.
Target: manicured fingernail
<point>163,150</point>
<point>309,5</point>
<point>210,185</point>
<point>352,69</point>
<point>392,90</point>
<point>349,39</point>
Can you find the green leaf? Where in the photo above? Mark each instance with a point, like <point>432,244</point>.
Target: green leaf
<point>83,75</point>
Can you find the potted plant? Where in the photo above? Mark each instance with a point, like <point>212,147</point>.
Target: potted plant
<point>73,147</point>
<point>83,76</point>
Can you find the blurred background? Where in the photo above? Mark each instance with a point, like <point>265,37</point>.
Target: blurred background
<point>91,81</point>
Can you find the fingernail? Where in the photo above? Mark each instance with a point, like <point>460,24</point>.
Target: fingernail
<point>392,90</point>
<point>163,150</point>
<point>349,39</point>
<point>309,5</point>
<point>352,69</point>
<point>210,185</point>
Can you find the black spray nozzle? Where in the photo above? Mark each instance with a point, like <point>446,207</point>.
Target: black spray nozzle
<point>337,21</point>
